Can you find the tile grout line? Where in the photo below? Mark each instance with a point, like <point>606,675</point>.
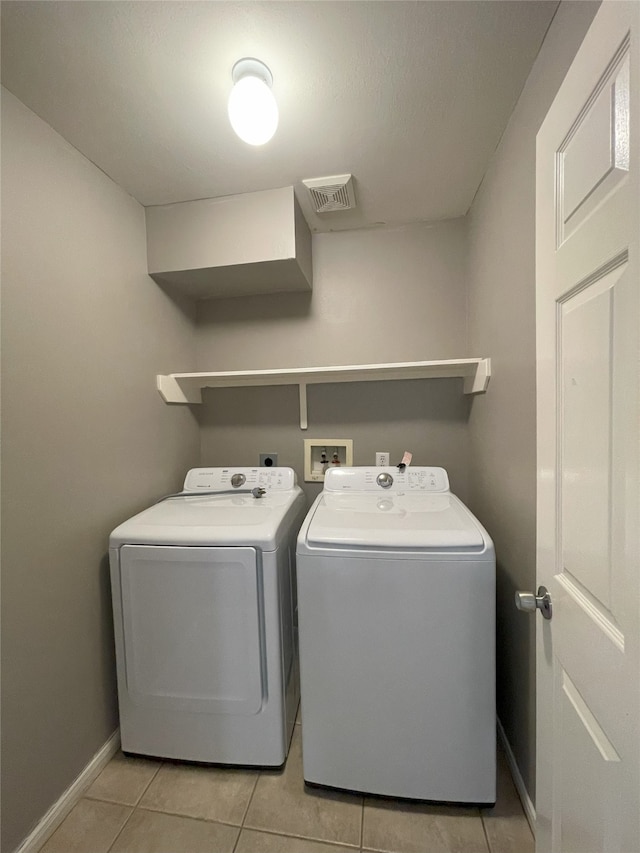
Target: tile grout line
<point>96,799</point>
<point>133,808</point>
<point>169,814</point>
<point>354,847</point>
<point>121,830</point>
<point>253,790</point>
<point>298,837</point>
<point>148,785</point>
<point>235,843</point>
<point>486,834</point>
<point>362,827</point>
<point>188,816</point>
<point>246,811</point>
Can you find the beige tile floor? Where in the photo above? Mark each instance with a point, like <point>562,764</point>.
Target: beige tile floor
<point>142,806</point>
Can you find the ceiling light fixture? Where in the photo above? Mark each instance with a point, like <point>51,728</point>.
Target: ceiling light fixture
<point>253,111</point>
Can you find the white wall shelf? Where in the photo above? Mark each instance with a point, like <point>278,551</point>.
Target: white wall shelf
<point>187,387</point>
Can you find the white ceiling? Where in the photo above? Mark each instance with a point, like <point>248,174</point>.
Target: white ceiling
<point>409,97</point>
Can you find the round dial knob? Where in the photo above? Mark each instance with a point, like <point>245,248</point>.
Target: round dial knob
<point>384,480</point>
<point>238,480</point>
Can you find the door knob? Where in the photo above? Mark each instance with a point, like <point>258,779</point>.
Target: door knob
<point>529,602</point>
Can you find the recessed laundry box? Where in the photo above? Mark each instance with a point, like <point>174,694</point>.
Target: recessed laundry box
<point>204,608</point>
<point>396,592</point>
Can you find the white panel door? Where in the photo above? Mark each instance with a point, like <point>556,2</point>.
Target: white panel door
<point>588,333</point>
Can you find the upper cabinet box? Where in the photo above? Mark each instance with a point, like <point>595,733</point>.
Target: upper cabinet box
<point>231,246</point>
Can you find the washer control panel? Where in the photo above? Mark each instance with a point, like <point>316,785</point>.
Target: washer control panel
<point>371,479</point>
<point>228,479</point>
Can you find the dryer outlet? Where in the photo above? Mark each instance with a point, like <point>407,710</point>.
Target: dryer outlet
<point>268,460</point>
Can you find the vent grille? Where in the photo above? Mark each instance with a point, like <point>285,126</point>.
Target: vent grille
<point>331,194</point>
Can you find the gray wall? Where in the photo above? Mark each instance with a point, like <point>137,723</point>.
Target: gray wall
<point>379,296</point>
<point>502,325</point>
<point>429,418</point>
<point>86,441</point>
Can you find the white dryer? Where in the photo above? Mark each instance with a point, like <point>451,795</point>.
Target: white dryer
<point>396,594</point>
<point>204,611</point>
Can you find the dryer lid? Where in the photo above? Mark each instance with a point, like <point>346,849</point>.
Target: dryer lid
<point>236,519</point>
<point>408,521</point>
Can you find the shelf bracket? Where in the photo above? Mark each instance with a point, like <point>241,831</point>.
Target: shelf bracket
<point>478,381</point>
<point>172,391</point>
<point>302,388</point>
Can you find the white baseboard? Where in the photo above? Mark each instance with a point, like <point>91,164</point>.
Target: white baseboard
<point>61,808</point>
<point>527,804</point>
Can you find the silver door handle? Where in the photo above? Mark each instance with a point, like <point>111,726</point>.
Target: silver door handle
<point>530,603</point>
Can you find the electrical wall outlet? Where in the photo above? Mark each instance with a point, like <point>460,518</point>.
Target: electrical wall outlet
<point>320,454</point>
<point>382,459</point>
<point>268,460</point>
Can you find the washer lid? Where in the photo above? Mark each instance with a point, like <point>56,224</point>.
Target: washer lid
<point>406,521</point>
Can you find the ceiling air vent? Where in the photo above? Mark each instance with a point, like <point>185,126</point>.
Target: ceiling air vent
<point>330,194</point>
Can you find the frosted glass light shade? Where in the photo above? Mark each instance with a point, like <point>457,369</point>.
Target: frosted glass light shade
<point>253,111</point>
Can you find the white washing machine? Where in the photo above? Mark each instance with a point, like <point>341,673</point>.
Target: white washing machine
<point>204,610</point>
<point>396,594</point>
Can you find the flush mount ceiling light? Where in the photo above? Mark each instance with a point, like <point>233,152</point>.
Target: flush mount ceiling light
<point>253,111</point>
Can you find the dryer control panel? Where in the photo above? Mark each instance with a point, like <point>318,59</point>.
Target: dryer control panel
<point>372,479</point>
<point>227,479</point>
